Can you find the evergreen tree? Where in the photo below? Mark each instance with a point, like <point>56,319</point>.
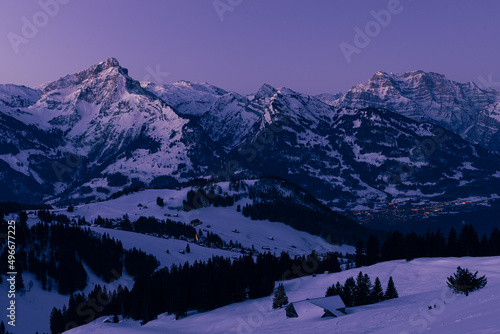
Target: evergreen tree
<point>330,263</point>
<point>188,249</point>
<point>56,321</point>
<point>484,246</point>
<point>464,281</point>
<point>393,247</point>
<point>360,254</point>
<point>452,245</point>
<point>349,292</point>
<point>468,241</point>
<point>391,291</point>
<point>363,290</point>
<point>331,291</point>
<point>494,242</point>
<point>372,250</point>
<point>2,328</point>
<point>280,298</point>
<point>160,202</point>
<point>439,244</point>
<point>115,318</point>
<point>377,294</point>
<point>412,249</point>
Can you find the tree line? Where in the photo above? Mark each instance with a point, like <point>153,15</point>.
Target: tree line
<point>361,291</point>
<point>431,244</point>
<point>56,253</point>
<point>199,286</point>
<point>201,198</point>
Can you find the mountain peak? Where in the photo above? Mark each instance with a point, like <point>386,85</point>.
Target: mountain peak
<point>380,73</point>
<point>108,68</point>
<point>266,90</point>
<point>185,83</point>
<point>110,62</point>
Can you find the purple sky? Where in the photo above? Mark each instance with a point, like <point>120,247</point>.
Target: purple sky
<point>281,42</point>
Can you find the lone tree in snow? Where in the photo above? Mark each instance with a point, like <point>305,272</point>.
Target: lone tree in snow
<point>280,299</point>
<point>159,201</point>
<point>464,281</point>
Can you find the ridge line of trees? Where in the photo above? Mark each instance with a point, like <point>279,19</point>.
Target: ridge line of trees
<point>432,244</point>
<point>200,286</point>
<point>361,291</point>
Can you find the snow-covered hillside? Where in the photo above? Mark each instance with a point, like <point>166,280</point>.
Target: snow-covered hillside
<point>224,221</point>
<point>34,305</point>
<point>425,305</point>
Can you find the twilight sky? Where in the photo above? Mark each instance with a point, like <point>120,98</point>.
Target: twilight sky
<point>241,44</point>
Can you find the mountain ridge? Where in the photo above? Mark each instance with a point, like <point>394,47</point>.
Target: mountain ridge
<point>114,125</point>
<point>431,97</point>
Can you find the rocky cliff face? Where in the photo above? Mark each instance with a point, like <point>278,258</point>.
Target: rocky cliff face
<point>429,97</point>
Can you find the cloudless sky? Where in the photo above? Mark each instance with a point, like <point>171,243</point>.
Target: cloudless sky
<point>288,43</point>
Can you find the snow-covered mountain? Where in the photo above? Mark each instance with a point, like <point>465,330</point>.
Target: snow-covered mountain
<point>96,132</point>
<point>96,122</point>
<point>464,108</point>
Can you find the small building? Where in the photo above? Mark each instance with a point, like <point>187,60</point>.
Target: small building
<point>290,311</point>
<point>195,222</point>
<point>332,306</point>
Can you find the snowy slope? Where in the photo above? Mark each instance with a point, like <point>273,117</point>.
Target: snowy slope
<point>38,303</point>
<point>14,96</point>
<point>420,283</point>
<point>223,221</point>
<point>190,98</point>
<point>33,306</point>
